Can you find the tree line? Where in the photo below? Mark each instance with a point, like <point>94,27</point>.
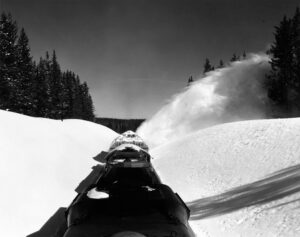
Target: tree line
<point>40,88</point>
<point>208,66</point>
<point>282,83</point>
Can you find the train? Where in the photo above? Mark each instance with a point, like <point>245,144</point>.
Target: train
<point>122,196</point>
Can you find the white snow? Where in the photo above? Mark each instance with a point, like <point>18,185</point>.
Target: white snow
<point>221,158</point>
<point>41,163</point>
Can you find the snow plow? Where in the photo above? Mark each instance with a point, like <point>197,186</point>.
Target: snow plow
<point>124,198</point>
<point>128,137</point>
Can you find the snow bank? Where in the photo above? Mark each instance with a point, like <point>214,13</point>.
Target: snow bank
<point>241,158</point>
<point>41,163</point>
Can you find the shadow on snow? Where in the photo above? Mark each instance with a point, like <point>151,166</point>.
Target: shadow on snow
<point>278,185</point>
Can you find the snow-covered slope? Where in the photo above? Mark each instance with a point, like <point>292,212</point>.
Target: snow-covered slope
<point>41,163</point>
<point>240,179</point>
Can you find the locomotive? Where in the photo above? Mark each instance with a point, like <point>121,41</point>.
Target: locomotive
<point>122,197</point>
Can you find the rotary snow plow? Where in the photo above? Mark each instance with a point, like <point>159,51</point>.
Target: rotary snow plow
<point>125,197</point>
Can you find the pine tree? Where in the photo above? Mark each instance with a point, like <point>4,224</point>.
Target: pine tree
<point>234,58</point>
<point>41,91</point>
<point>87,103</point>
<point>64,100</point>
<point>190,80</point>
<point>69,93</point>
<point>281,76</point>
<point>207,66</point>
<point>296,50</point>
<point>24,100</point>
<point>77,104</point>
<point>221,64</point>
<point>8,62</point>
<point>56,88</point>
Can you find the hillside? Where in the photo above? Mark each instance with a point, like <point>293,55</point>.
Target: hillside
<point>42,161</point>
<point>239,179</point>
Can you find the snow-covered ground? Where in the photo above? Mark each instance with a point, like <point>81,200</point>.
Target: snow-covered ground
<point>240,179</point>
<point>41,163</point>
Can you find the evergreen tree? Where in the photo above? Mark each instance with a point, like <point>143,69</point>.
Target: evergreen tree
<point>280,79</point>
<point>64,96</point>
<point>8,62</point>
<point>221,64</point>
<point>41,91</point>
<point>234,58</point>
<point>296,50</point>
<point>68,94</point>
<point>244,55</point>
<point>77,105</point>
<point>207,66</point>
<point>69,82</point>
<point>87,103</point>
<point>55,89</point>
<point>24,100</point>
<point>190,80</point>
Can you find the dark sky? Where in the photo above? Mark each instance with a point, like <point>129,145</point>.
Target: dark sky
<point>135,54</point>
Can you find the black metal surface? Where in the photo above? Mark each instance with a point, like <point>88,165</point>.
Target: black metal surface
<point>136,201</point>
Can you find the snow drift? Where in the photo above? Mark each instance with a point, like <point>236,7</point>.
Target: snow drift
<point>230,94</point>
<point>239,179</point>
<point>42,162</point>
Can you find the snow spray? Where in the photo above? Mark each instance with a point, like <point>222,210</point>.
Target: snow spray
<point>228,94</point>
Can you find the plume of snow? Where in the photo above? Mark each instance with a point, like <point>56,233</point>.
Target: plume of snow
<point>225,95</point>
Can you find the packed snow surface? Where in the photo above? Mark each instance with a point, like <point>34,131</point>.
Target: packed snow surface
<point>41,163</point>
<point>239,179</point>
